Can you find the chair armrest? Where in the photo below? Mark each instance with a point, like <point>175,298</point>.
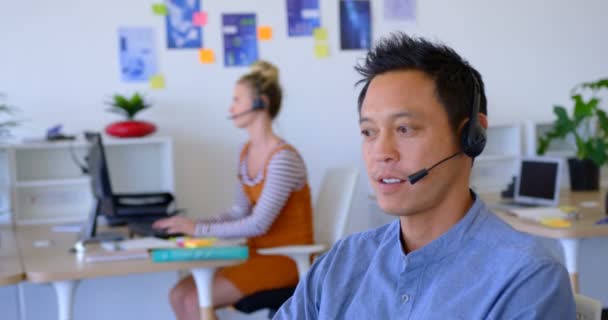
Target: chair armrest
<point>300,254</point>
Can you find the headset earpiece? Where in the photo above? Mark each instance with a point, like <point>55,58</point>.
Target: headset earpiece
<point>258,102</point>
<point>473,138</point>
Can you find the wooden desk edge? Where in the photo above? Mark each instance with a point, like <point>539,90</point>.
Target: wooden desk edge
<point>46,277</point>
<point>538,229</point>
<point>11,279</point>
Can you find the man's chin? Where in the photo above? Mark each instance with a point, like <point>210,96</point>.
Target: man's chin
<point>393,209</point>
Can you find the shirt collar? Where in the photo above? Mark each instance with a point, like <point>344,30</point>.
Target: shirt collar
<point>447,243</point>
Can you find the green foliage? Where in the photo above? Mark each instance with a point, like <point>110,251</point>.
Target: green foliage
<point>588,124</point>
<point>7,122</point>
<point>128,106</point>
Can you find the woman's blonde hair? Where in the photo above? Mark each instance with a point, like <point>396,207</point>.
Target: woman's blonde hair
<point>263,78</point>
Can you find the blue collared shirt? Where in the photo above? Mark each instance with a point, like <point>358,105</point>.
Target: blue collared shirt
<point>479,269</point>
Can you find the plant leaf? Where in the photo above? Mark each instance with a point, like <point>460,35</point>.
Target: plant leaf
<point>583,109</point>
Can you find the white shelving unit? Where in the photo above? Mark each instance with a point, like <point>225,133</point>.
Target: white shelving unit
<point>41,183</point>
<point>499,162</point>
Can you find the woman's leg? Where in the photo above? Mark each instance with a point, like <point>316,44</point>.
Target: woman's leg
<point>184,298</point>
<point>177,297</point>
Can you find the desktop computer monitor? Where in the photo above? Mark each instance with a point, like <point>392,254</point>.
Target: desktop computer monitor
<point>101,185</point>
<point>118,209</point>
<point>539,180</point>
<point>97,167</point>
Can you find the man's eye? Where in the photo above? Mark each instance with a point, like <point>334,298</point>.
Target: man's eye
<point>365,132</point>
<point>403,129</point>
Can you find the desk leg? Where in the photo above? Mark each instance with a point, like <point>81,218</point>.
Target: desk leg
<point>204,286</point>
<point>21,301</point>
<point>570,247</point>
<point>65,297</point>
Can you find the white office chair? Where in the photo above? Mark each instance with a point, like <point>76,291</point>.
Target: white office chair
<point>587,308</point>
<point>331,211</point>
<point>330,215</point>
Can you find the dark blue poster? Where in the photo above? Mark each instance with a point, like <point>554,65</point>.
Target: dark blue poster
<point>240,39</point>
<point>303,16</point>
<point>181,31</point>
<point>355,24</point>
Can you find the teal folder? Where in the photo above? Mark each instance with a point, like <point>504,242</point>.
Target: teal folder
<point>203,253</point>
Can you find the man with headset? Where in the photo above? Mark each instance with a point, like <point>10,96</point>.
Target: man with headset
<point>423,115</point>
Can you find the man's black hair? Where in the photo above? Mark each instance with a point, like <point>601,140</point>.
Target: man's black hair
<point>452,74</point>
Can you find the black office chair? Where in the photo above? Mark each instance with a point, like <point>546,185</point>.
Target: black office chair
<point>268,299</point>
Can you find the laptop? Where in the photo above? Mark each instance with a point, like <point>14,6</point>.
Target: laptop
<point>537,184</point>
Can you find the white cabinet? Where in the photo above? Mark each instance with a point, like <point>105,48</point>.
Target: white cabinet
<point>41,182</point>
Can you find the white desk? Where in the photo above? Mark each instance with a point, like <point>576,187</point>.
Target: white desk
<point>570,237</point>
<point>56,265</point>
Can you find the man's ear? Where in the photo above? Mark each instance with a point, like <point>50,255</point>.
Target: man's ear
<point>483,120</point>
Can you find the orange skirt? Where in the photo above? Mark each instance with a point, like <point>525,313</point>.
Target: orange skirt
<point>262,272</point>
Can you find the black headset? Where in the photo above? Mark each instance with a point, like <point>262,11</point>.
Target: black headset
<point>473,138</point>
<point>258,102</point>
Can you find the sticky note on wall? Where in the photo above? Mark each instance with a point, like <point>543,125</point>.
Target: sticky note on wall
<point>199,19</point>
<point>265,33</point>
<point>320,34</point>
<point>159,9</point>
<point>206,56</point>
<point>157,81</point>
<point>321,50</point>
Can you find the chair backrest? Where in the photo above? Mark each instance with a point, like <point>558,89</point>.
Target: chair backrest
<point>587,308</point>
<point>333,204</point>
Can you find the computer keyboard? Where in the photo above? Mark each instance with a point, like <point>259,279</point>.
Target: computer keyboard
<point>145,229</point>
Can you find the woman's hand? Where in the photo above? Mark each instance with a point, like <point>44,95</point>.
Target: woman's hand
<point>176,224</point>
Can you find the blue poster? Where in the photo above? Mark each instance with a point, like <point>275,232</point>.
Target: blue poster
<point>355,24</point>
<point>303,16</point>
<point>240,39</point>
<point>137,54</point>
<point>181,31</point>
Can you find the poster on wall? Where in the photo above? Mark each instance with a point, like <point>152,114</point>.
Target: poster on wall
<point>355,24</point>
<point>240,39</point>
<point>136,53</point>
<point>303,16</point>
<point>182,33</point>
<point>400,10</point>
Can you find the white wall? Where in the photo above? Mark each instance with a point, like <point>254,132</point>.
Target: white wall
<point>59,63</point>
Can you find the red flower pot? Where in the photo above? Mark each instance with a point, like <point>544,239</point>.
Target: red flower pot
<point>130,129</point>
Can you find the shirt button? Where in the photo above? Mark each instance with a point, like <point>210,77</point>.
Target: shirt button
<point>405,298</point>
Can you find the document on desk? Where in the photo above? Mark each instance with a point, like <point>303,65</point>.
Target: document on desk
<point>146,243</point>
<point>119,255</point>
<point>539,214</point>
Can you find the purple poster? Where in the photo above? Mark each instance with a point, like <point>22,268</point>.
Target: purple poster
<point>400,9</point>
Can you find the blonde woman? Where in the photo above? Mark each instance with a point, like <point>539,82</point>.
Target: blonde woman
<point>272,206</point>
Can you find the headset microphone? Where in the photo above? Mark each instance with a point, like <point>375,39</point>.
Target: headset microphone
<point>256,105</point>
<point>473,137</point>
<point>241,114</point>
<point>417,176</point>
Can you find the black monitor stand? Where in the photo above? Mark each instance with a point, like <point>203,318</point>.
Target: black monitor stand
<point>89,233</point>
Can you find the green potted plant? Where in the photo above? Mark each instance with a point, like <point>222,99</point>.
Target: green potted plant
<point>588,124</point>
<point>7,121</point>
<point>129,107</point>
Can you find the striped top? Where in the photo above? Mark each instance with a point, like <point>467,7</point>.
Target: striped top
<point>285,174</point>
